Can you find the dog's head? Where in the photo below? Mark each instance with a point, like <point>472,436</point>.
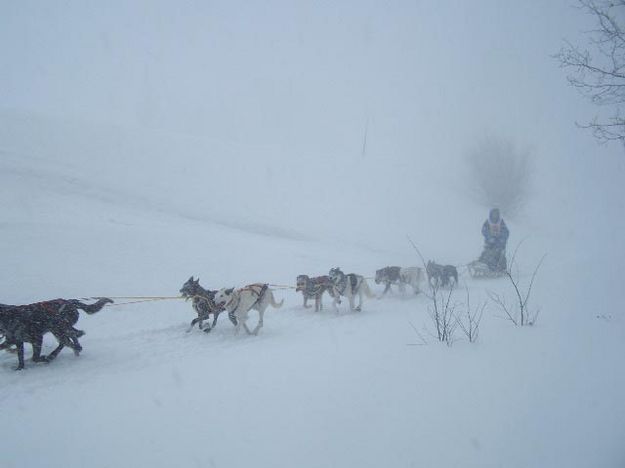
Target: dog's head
<point>223,296</point>
<point>336,275</point>
<point>190,288</point>
<point>301,282</point>
<point>379,275</point>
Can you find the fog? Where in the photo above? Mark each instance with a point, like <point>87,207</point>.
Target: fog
<point>295,86</point>
<point>143,142</point>
<point>260,111</point>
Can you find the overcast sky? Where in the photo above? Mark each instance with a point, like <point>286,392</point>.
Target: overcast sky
<point>428,79</point>
<point>295,73</point>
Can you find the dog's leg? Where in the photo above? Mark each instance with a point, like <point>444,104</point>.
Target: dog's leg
<point>359,308</point>
<point>20,355</point>
<point>336,298</point>
<point>233,318</point>
<point>37,350</point>
<point>306,306</point>
<point>76,346</point>
<point>261,313</point>
<point>193,322</point>
<point>64,341</point>
<point>209,327</point>
<point>351,300</point>
<point>55,352</point>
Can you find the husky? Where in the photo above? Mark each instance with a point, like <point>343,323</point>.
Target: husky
<point>411,276</point>
<point>239,302</point>
<point>350,286</point>
<point>313,288</point>
<point>203,302</point>
<point>29,323</point>
<point>441,275</point>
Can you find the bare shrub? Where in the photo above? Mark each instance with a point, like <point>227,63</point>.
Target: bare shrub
<point>442,310</point>
<point>519,311</point>
<point>469,321</point>
<point>500,175</point>
<point>443,315</point>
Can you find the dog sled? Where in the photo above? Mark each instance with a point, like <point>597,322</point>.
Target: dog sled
<point>491,264</point>
<point>479,269</point>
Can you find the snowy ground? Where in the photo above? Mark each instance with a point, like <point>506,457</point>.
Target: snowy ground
<point>313,389</point>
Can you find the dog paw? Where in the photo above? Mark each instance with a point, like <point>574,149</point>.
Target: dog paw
<point>207,329</point>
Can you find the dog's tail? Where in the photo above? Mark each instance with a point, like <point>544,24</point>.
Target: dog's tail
<point>92,308</point>
<point>272,301</point>
<point>367,289</point>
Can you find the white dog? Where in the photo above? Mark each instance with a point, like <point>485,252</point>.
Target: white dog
<point>350,286</point>
<point>411,276</point>
<point>238,303</point>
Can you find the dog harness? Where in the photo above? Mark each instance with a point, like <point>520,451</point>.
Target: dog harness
<point>236,295</point>
<point>52,306</point>
<point>341,285</point>
<point>316,286</point>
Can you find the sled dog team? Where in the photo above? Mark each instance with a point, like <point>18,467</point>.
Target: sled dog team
<point>239,302</point>
<point>21,324</point>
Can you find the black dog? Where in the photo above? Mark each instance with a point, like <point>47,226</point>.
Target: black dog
<point>313,288</point>
<point>441,274</point>
<point>388,275</point>
<point>203,304</point>
<point>29,323</point>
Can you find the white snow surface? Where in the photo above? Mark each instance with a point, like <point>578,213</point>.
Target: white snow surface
<point>346,389</point>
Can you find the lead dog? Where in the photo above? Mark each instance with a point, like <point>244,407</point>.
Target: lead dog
<point>29,323</point>
<point>411,276</point>
<point>350,286</point>
<point>313,288</point>
<point>203,301</point>
<point>239,302</point>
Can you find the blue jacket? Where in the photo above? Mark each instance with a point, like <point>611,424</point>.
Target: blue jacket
<point>495,234</point>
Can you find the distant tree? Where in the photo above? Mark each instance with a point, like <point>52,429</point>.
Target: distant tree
<point>597,69</point>
<point>500,175</point>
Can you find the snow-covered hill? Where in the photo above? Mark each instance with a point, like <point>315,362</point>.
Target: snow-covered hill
<point>313,389</point>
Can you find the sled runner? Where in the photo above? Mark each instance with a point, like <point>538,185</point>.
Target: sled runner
<point>479,269</point>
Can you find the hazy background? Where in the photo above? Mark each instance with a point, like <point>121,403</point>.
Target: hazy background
<point>255,112</point>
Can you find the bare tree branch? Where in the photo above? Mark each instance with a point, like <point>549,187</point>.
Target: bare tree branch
<point>598,72</point>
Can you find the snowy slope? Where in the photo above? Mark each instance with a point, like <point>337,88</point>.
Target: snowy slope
<point>313,390</point>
